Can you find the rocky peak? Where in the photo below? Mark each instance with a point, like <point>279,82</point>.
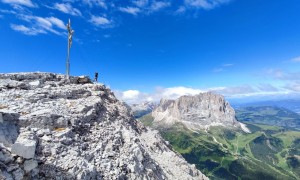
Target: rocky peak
<point>196,112</point>
<point>54,128</point>
<point>143,108</point>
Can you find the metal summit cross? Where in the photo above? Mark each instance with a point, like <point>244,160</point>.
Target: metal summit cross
<point>70,34</point>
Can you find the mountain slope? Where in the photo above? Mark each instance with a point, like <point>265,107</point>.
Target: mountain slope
<point>53,128</point>
<point>268,152</point>
<point>269,115</point>
<point>142,109</point>
<point>226,151</point>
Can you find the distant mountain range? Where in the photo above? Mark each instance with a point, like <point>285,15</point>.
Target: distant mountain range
<point>142,109</point>
<point>269,115</point>
<point>290,104</point>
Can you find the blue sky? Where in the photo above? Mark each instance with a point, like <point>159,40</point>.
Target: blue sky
<point>152,49</point>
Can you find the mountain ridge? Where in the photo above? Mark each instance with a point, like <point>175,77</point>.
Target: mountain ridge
<point>54,127</point>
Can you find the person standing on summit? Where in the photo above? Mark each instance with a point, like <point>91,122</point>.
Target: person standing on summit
<point>96,77</point>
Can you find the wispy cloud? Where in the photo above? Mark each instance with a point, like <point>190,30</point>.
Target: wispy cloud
<point>27,30</point>
<point>141,3</point>
<point>227,65</point>
<point>180,10</point>
<point>296,59</point>
<point>267,87</point>
<point>27,3</point>
<point>158,5</point>
<point>39,25</point>
<point>293,86</point>
<point>67,8</point>
<point>130,10</point>
<point>100,21</point>
<point>95,3</point>
<point>216,70</point>
<point>222,68</point>
<point>205,4</point>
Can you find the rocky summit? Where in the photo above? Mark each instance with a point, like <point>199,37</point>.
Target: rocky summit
<point>197,112</point>
<point>57,128</point>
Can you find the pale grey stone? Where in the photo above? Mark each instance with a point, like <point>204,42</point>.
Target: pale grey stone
<point>18,174</point>
<point>24,148</point>
<point>1,118</point>
<point>30,165</point>
<point>82,131</point>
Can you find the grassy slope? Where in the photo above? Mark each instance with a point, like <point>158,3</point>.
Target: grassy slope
<point>226,154</point>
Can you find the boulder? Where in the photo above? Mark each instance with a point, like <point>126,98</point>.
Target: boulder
<point>83,80</point>
<point>24,147</point>
<point>30,165</point>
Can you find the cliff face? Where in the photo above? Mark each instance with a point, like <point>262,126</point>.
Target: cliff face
<point>52,128</point>
<point>196,112</point>
<point>142,109</point>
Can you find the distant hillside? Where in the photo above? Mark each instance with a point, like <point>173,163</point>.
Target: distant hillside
<point>269,115</point>
<point>290,104</point>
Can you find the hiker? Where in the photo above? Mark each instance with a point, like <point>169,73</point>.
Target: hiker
<point>96,77</point>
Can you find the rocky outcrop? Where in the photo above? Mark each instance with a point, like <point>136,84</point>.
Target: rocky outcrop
<point>196,112</point>
<point>54,128</point>
<point>142,109</point>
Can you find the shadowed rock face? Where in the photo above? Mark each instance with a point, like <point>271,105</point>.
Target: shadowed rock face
<point>196,112</point>
<point>142,109</point>
<point>73,129</point>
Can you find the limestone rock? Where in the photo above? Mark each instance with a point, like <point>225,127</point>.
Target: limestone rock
<point>24,147</point>
<point>73,129</point>
<point>196,112</point>
<point>30,165</point>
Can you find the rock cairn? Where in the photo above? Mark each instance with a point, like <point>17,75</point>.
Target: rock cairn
<point>53,128</point>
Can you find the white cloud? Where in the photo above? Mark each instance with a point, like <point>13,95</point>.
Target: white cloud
<point>57,22</point>
<point>296,59</point>
<point>175,92</point>
<point>130,10</point>
<point>205,4</point>
<point>100,21</point>
<point>39,25</point>
<point>27,30</point>
<point>141,3</point>
<point>294,86</point>
<point>158,5</point>
<point>130,94</point>
<point>234,92</point>
<point>27,3</point>
<point>92,3</point>
<point>135,96</point>
<point>67,8</point>
<point>180,10</point>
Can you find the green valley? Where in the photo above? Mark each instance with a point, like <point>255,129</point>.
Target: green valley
<point>269,152</point>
